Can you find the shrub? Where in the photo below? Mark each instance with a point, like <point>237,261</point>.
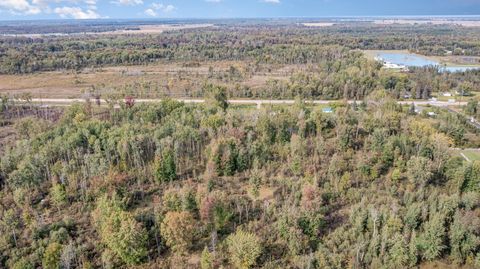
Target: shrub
<point>244,249</point>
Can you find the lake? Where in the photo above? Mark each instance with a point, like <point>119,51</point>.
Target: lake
<point>414,60</point>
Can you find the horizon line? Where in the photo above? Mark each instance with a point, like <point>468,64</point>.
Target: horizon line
<point>246,18</point>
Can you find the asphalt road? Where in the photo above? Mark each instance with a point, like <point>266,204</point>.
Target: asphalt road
<point>257,102</point>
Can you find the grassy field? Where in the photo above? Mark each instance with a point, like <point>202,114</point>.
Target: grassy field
<point>146,81</point>
<point>472,155</point>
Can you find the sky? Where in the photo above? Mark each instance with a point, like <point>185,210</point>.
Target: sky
<point>136,9</point>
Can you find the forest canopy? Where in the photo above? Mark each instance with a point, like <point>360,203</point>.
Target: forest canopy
<point>209,185</point>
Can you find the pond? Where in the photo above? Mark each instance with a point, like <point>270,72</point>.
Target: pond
<point>398,60</point>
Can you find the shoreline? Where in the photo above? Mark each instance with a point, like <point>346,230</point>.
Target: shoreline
<point>371,54</point>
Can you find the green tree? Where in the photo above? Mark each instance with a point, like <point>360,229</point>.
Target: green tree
<point>125,237</point>
<point>216,96</point>
<point>465,88</point>
<point>413,250</point>
<point>254,183</point>
<point>399,252</point>
<point>118,229</point>
<point>472,107</point>
<point>10,223</point>
<point>58,194</point>
<point>244,249</point>
<point>23,263</point>
<point>471,177</point>
<point>166,170</point>
<point>419,170</point>
<point>51,257</point>
<point>396,175</point>
<point>3,102</point>
<point>463,241</point>
<point>412,216</point>
<point>432,240</point>
<point>221,217</point>
<point>206,261</point>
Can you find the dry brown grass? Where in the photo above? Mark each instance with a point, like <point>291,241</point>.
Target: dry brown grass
<point>142,29</point>
<point>443,265</point>
<point>174,79</point>
<point>318,24</point>
<point>158,29</point>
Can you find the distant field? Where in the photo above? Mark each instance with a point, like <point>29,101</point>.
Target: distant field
<point>465,23</point>
<point>318,24</point>
<point>155,80</point>
<point>134,30</point>
<point>157,29</point>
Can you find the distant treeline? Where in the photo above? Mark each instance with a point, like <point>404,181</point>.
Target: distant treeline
<point>289,44</point>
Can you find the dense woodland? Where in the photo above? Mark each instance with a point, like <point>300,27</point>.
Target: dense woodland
<point>373,185</point>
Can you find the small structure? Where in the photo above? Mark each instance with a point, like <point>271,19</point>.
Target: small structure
<point>129,101</point>
<point>431,114</point>
<point>447,94</point>
<point>327,110</point>
<point>389,65</point>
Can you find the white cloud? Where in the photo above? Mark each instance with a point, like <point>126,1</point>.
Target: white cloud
<point>271,1</point>
<point>91,2</point>
<point>19,7</point>
<point>83,9</point>
<point>163,8</point>
<point>159,7</point>
<point>151,12</point>
<point>213,1</point>
<point>76,13</point>
<point>128,2</point>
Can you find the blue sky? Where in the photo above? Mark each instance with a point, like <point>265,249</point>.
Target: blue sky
<point>93,9</point>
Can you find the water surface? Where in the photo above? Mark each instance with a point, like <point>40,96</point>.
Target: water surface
<point>413,60</point>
